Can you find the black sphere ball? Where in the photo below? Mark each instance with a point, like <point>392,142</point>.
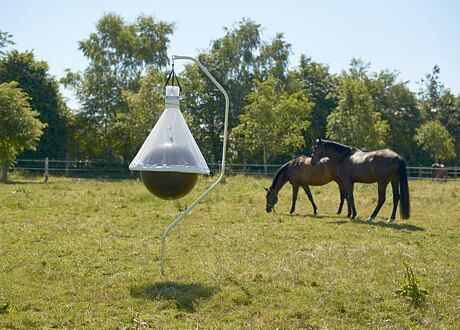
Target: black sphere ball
<point>169,185</point>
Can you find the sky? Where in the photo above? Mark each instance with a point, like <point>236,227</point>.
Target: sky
<point>406,35</point>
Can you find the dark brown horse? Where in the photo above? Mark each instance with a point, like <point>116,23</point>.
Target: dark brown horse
<point>438,171</point>
<point>355,165</point>
<point>300,173</point>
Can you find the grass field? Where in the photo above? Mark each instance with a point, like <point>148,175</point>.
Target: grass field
<point>85,254</point>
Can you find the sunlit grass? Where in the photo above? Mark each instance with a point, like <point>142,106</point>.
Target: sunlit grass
<point>85,254</point>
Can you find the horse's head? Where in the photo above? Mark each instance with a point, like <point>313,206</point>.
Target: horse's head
<point>272,199</point>
<point>317,151</point>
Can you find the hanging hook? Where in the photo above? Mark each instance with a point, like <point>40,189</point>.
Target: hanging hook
<point>172,75</point>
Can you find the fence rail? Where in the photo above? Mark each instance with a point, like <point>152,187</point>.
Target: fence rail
<point>105,169</point>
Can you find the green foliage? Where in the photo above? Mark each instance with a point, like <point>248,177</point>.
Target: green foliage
<point>434,138</point>
<point>21,128</point>
<point>44,96</point>
<point>354,121</point>
<point>438,103</point>
<point>273,122</point>
<point>398,106</point>
<point>321,88</point>
<point>430,94</point>
<point>411,289</point>
<point>119,54</point>
<point>5,39</point>
<point>235,60</point>
<point>144,108</point>
<point>449,116</point>
<point>7,308</point>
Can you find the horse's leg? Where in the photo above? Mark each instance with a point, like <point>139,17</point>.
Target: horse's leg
<point>342,198</point>
<point>382,186</point>
<point>348,206</point>
<point>348,187</point>
<point>395,186</point>
<point>310,197</point>
<point>295,191</point>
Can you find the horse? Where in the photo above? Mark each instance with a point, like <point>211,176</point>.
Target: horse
<point>300,173</point>
<point>355,165</point>
<point>438,171</point>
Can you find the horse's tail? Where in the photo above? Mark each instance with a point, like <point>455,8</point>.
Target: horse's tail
<point>404,209</point>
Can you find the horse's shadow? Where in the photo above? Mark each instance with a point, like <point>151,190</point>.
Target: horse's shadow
<point>26,182</point>
<point>313,216</point>
<point>184,295</point>
<point>392,225</point>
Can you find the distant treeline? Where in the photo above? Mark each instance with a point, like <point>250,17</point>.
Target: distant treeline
<point>276,107</point>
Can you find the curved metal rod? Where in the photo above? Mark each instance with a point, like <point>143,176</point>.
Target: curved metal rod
<point>224,153</point>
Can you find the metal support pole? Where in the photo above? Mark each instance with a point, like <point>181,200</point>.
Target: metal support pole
<point>224,152</point>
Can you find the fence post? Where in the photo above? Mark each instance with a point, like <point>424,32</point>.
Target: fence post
<point>66,164</point>
<point>420,171</point>
<point>46,169</point>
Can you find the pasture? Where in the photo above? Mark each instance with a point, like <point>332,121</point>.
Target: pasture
<point>85,254</point>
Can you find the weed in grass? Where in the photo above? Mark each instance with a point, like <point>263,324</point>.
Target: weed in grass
<point>411,289</point>
<point>7,308</point>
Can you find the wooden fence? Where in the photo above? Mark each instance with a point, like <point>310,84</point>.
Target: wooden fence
<point>117,170</point>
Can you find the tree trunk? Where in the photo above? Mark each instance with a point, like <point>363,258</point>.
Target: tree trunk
<point>265,160</point>
<point>5,165</point>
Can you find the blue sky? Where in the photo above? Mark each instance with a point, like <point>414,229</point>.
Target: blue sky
<point>408,36</point>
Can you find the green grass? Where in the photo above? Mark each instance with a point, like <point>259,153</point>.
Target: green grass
<point>85,254</point>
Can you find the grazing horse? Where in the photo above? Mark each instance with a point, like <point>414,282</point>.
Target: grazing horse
<point>438,171</point>
<point>355,165</point>
<point>300,173</point>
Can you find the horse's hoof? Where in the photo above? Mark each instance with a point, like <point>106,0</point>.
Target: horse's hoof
<point>291,213</point>
<point>369,220</point>
<point>390,220</point>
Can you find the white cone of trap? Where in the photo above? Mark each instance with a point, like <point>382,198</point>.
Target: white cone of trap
<point>169,161</point>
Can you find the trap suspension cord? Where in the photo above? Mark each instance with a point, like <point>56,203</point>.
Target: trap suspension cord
<point>224,153</point>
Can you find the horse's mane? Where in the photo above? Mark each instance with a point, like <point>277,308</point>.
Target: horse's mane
<point>339,147</point>
<point>278,173</point>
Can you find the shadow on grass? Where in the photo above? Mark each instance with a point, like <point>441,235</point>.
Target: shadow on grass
<point>184,295</point>
<point>397,226</point>
<point>313,216</point>
<point>15,182</point>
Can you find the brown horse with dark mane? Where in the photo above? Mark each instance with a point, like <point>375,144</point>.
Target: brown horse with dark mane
<point>381,166</point>
<point>300,173</point>
<point>438,171</point>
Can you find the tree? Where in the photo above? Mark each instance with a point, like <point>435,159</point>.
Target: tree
<point>144,109</point>
<point>354,121</point>
<point>34,79</point>
<point>399,107</point>
<point>119,54</point>
<point>438,103</point>
<point>235,60</point>
<point>434,138</point>
<point>321,88</point>
<point>5,39</point>
<point>449,116</point>
<point>273,122</point>
<point>20,127</point>
<point>430,93</point>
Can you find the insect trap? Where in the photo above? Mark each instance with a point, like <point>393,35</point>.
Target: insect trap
<point>170,160</point>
